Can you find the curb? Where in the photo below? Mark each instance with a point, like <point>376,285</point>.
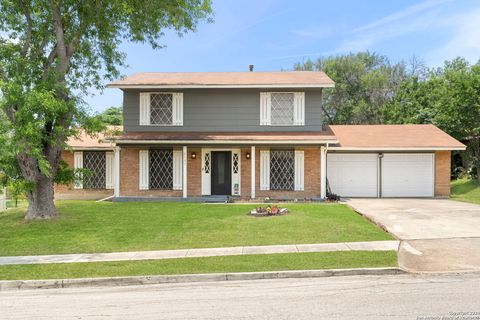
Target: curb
<point>9,285</point>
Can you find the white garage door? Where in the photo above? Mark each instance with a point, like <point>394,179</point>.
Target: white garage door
<point>407,175</point>
<point>353,175</point>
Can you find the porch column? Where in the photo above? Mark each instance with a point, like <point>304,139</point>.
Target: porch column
<point>185,172</point>
<point>252,159</point>
<point>116,175</point>
<point>323,172</point>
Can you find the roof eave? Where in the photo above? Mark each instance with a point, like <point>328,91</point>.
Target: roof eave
<point>217,86</point>
<point>225,141</point>
<point>458,148</point>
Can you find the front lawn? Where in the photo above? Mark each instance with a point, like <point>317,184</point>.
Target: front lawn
<point>251,263</point>
<point>86,226</point>
<point>466,190</point>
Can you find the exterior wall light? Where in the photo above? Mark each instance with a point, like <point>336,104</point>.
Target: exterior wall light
<point>193,155</point>
<point>247,155</point>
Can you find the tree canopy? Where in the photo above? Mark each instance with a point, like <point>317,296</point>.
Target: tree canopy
<point>53,52</point>
<point>112,116</point>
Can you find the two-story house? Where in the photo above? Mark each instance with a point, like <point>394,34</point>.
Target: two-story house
<point>261,134</point>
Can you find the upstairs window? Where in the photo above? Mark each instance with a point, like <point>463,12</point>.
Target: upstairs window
<point>282,108</point>
<point>161,109</point>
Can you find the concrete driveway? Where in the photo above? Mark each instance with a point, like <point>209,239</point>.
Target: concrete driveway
<point>437,234</point>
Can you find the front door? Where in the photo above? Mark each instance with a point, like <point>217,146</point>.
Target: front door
<point>221,172</point>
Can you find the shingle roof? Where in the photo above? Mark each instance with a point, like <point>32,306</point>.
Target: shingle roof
<point>225,79</point>
<point>85,141</point>
<point>394,136</point>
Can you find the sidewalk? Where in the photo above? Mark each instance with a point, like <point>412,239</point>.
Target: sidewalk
<point>204,252</point>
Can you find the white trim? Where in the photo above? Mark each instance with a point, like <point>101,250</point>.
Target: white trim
<point>252,172</point>
<point>299,108</point>
<point>177,166</point>
<point>184,171</point>
<point>207,178</point>
<point>116,186</point>
<point>109,170</point>
<point>143,167</point>
<point>90,149</point>
<point>198,86</point>
<point>265,108</point>
<point>299,170</point>
<point>78,164</point>
<point>406,149</point>
<point>227,142</point>
<point>323,172</point>
<point>264,169</point>
<point>144,108</point>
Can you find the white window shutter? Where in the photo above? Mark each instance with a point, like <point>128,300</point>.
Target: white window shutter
<point>264,169</point>
<point>299,109</point>
<point>144,108</point>
<point>265,108</point>
<point>109,172</point>
<point>177,169</point>
<point>299,170</point>
<point>78,164</point>
<point>143,166</point>
<point>177,111</point>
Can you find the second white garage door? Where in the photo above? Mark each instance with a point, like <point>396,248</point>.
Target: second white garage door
<point>353,174</point>
<point>407,175</point>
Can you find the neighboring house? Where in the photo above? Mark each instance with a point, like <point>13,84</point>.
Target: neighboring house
<point>260,134</point>
<point>96,156</point>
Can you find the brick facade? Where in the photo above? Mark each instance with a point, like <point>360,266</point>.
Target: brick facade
<point>442,173</point>
<point>63,192</point>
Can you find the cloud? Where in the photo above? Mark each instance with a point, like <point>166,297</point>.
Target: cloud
<point>412,19</point>
<point>402,14</point>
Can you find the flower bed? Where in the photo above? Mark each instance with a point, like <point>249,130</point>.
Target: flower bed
<point>270,210</point>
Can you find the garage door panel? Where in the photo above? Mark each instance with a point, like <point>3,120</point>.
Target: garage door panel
<point>353,175</point>
<point>407,175</point>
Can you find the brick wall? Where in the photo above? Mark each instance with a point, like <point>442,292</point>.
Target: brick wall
<point>194,168</point>
<point>63,192</point>
<point>442,173</point>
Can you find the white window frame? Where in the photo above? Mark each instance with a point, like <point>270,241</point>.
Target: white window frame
<point>298,109</point>
<point>145,109</point>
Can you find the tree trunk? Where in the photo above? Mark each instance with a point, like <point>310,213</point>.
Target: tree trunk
<point>41,200</point>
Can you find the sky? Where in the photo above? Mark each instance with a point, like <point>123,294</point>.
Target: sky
<point>275,34</point>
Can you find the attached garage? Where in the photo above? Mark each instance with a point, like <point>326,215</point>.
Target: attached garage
<point>381,174</point>
<point>407,175</point>
<point>353,175</point>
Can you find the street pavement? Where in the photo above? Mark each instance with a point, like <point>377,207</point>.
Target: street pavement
<point>454,296</point>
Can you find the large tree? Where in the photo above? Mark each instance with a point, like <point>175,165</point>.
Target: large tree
<point>364,83</point>
<point>51,53</point>
<point>448,97</point>
<point>112,116</point>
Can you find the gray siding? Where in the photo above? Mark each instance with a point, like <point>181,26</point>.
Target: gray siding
<point>223,110</point>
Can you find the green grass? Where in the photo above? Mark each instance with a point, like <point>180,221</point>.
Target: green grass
<point>86,226</point>
<point>271,262</point>
<point>466,190</point>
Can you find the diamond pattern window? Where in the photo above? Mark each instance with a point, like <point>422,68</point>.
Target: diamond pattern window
<point>282,112</point>
<point>235,163</point>
<point>161,108</point>
<point>94,163</point>
<point>282,170</point>
<point>161,169</point>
